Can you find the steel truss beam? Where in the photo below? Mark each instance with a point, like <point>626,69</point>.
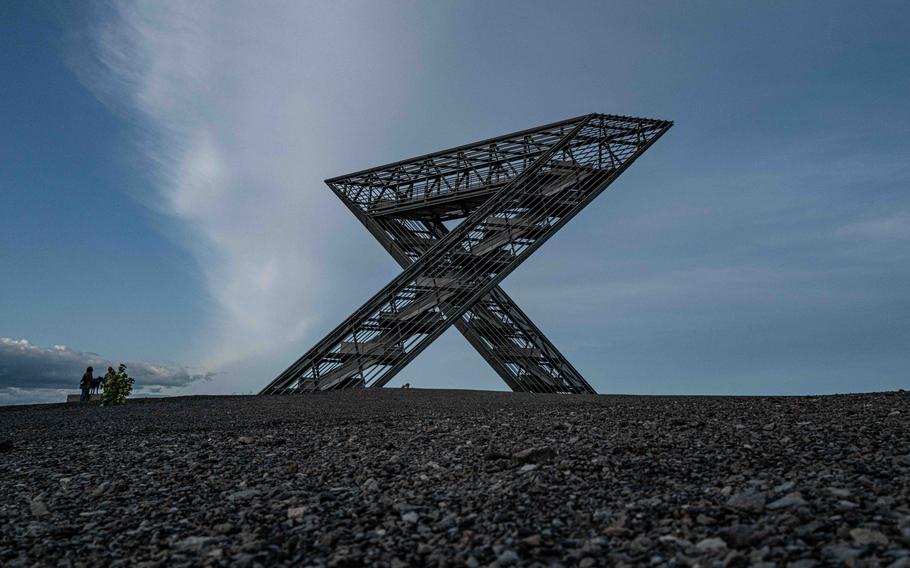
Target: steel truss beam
<point>514,192</point>
<point>497,328</point>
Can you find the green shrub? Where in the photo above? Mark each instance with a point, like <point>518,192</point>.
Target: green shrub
<point>117,387</point>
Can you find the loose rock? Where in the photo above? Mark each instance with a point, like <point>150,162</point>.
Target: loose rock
<point>38,508</point>
<point>534,455</point>
<point>385,478</point>
<point>711,544</point>
<point>296,512</point>
<point>789,500</point>
<point>865,537</point>
<point>749,500</point>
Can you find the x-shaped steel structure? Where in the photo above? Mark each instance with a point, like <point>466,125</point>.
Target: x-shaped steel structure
<point>512,193</point>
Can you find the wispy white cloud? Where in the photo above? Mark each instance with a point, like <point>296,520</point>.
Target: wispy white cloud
<point>26,367</point>
<point>236,107</point>
<point>709,295</point>
<point>887,227</point>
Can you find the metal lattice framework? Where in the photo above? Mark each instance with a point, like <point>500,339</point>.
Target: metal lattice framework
<point>513,193</point>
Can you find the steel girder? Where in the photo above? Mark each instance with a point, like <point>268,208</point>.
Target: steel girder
<point>497,328</point>
<point>514,192</point>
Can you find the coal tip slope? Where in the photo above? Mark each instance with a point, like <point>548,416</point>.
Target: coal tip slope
<point>458,478</point>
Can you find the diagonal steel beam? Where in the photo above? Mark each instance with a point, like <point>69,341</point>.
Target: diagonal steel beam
<point>494,324</point>
<point>582,157</point>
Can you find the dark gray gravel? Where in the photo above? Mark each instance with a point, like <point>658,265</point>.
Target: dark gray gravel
<point>399,478</point>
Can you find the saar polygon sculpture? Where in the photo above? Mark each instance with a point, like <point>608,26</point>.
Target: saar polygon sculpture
<point>513,193</point>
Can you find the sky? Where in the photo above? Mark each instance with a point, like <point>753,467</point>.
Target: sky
<point>162,199</point>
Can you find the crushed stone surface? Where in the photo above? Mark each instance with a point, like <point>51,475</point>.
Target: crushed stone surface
<point>458,478</point>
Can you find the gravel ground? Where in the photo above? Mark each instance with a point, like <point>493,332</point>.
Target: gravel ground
<point>423,477</point>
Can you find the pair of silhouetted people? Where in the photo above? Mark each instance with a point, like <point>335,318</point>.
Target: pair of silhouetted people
<point>91,384</point>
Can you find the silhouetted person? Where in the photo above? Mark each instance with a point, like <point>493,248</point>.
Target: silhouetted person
<point>109,376</point>
<point>86,385</point>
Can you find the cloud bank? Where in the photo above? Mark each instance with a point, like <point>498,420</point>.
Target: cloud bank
<point>26,366</point>
<point>33,374</point>
<point>889,227</point>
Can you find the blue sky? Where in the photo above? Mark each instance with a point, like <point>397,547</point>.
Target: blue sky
<point>161,195</point>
